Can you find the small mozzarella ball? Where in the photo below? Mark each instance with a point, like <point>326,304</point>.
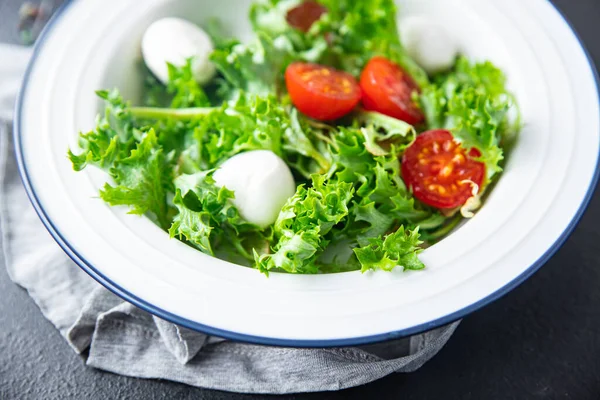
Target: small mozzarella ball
<point>429,44</point>
<point>174,40</point>
<point>262,183</point>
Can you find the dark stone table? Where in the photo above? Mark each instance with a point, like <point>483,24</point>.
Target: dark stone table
<point>542,341</point>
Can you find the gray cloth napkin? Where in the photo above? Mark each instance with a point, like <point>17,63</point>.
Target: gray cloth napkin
<point>126,340</point>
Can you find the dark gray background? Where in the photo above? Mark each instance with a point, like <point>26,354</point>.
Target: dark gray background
<point>542,341</point>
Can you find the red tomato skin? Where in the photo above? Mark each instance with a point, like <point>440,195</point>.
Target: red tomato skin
<point>439,171</point>
<point>388,89</point>
<point>303,16</point>
<point>321,92</point>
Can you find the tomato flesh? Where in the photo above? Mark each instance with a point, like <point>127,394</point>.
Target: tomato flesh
<point>439,171</point>
<point>321,92</point>
<point>388,89</point>
<point>302,17</point>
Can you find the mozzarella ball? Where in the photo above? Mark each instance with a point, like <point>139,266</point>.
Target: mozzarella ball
<point>174,40</point>
<point>429,44</point>
<point>262,184</point>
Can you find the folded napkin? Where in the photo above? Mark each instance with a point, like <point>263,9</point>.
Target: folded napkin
<point>126,340</point>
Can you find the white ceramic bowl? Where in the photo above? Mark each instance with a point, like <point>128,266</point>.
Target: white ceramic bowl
<point>548,180</point>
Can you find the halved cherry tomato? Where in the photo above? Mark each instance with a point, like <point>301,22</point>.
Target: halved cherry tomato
<point>440,171</point>
<point>321,92</point>
<point>302,17</point>
<point>388,89</point>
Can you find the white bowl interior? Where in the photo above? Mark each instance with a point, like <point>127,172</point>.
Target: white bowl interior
<point>546,178</point>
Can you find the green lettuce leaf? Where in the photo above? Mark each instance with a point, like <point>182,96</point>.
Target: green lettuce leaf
<point>256,68</point>
<point>181,90</point>
<point>352,162</point>
<point>399,249</point>
<point>306,150</point>
<point>207,217</point>
<point>142,181</point>
<point>195,226</point>
<point>382,132</point>
<point>302,225</point>
<point>111,140</point>
<point>255,124</point>
<point>183,87</point>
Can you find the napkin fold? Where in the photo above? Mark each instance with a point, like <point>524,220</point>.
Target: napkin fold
<point>126,340</point>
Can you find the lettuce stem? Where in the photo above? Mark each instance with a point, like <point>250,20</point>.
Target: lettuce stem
<point>171,113</point>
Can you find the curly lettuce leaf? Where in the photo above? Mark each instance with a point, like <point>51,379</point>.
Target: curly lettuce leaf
<point>206,216</point>
<point>352,162</point>
<point>195,226</point>
<point>181,91</point>
<point>294,253</point>
<point>255,124</point>
<point>200,191</point>
<point>100,147</point>
<point>112,139</point>
<point>399,249</point>
<point>142,181</point>
<point>369,222</point>
<point>256,68</point>
<point>185,89</point>
<point>324,204</point>
<point>305,150</point>
<point>302,225</point>
<point>382,132</point>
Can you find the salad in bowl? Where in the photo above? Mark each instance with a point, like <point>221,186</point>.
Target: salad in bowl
<point>333,141</point>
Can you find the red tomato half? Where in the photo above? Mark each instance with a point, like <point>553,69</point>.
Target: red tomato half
<point>305,15</point>
<point>388,89</point>
<point>321,92</point>
<point>439,171</point>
